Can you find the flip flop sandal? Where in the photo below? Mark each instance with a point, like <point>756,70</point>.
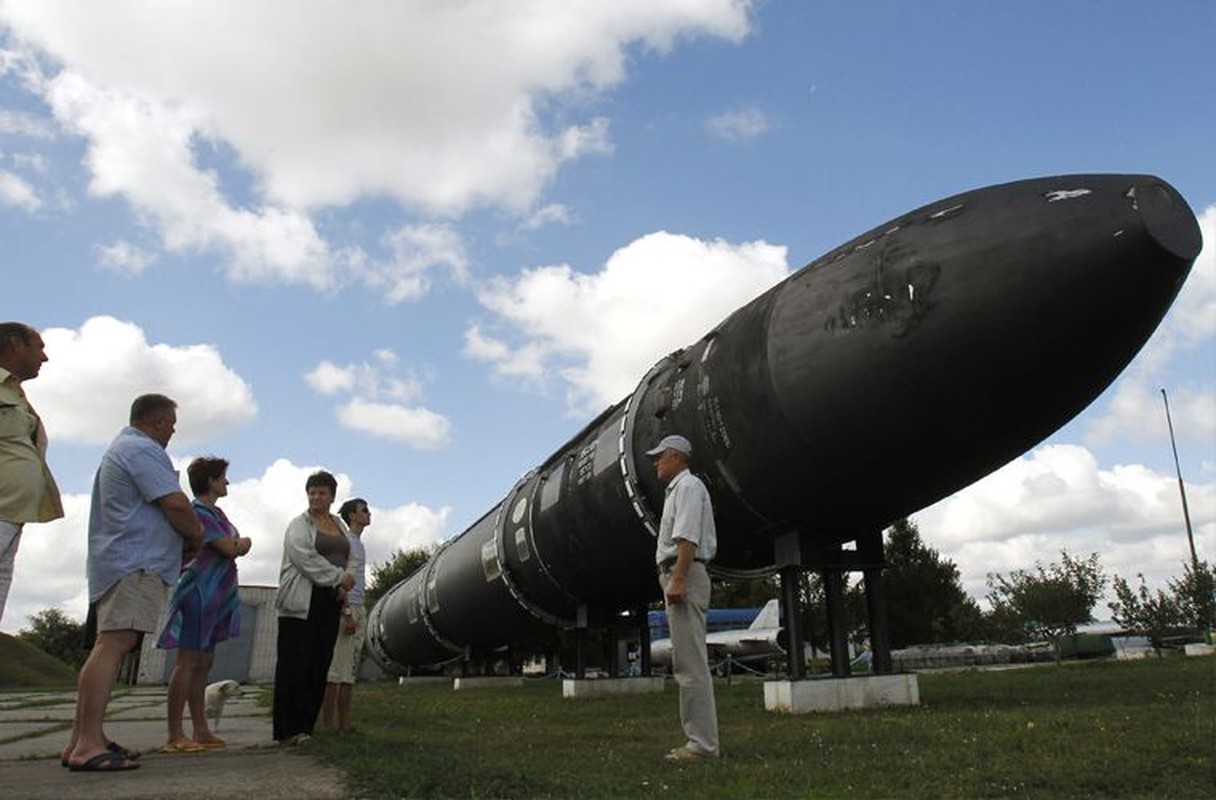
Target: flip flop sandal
<point>131,755</point>
<point>113,747</point>
<point>108,761</point>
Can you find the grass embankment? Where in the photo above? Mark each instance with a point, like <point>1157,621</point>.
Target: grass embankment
<point>23,666</point>
<point>1103,729</point>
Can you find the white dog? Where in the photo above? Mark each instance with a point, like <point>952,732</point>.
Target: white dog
<point>217,694</point>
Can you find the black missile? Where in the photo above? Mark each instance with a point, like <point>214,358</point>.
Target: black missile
<point>886,375</point>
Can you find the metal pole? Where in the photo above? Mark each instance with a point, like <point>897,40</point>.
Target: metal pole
<point>1186,514</point>
<point>793,621</point>
<point>833,592</point>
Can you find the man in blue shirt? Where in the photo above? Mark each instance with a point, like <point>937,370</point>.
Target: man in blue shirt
<point>140,525</point>
<point>687,542</point>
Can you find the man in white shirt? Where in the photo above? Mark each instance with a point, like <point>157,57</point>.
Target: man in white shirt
<point>687,542</point>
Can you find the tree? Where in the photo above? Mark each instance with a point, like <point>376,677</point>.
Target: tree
<point>1196,595</point>
<point>1143,613</point>
<point>732,593</point>
<point>56,634</point>
<point>925,598</point>
<point>815,624</point>
<point>1050,602</point>
<point>400,565</point>
<point>1002,624</point>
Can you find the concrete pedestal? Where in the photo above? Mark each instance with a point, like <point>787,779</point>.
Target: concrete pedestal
<point>610,687</point>
<point>421,680</point>
<point>839,694</point>
<point>488,682</point>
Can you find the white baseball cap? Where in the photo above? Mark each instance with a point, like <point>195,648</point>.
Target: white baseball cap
<point>673,442</point>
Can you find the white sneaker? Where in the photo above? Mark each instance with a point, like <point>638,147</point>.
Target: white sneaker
<point>685,754</point>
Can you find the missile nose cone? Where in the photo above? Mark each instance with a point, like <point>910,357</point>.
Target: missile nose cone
<point>1167,218</point>
<point>931,350</point>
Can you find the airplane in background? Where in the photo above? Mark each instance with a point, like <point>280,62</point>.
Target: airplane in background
<point>718,619</point>
<point>761,641</point>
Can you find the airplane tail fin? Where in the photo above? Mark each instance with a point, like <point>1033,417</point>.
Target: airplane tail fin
<point>768,618</point>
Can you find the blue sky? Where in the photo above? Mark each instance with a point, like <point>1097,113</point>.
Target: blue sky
<point>421,244</point>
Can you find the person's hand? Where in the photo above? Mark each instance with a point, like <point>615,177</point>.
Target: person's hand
<point>243,545</point>
<point>190,549</point>
<point>675,589</point>
<point>348,582</point>
<point>348,624</point>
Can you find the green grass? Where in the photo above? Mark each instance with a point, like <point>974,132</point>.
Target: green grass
<point>1098,729</point>
<point>23,667</point>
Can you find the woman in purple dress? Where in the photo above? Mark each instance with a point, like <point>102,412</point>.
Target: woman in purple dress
<point>205,608</point>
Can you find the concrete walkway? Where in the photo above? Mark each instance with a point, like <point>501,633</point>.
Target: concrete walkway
<point>35,726</point>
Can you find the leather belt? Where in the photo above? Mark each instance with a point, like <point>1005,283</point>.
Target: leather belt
<point>666,564</point>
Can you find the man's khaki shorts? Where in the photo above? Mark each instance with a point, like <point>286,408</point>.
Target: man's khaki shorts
<point>348,650</point>
<point>134,603</point>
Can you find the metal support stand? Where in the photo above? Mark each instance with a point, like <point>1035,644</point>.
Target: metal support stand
<point>795,553</point>
<point>869,550</point>
<point>580,644</point>
<point>793,621</point>
<point>643,621</point>
<point>614,651</point>
<point>838,629</point>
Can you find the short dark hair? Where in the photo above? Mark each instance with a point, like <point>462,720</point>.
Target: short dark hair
<point>13,332</point>
<point>149,406</point>
<point>203,470</point>
<point>348,509</point>
<point>322,478</point>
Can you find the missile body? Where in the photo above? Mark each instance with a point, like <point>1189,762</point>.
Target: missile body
<point>880,378</point>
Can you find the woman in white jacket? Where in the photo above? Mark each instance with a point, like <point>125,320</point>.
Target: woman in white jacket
<point>313,581</point>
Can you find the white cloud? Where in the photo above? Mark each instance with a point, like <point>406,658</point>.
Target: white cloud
<point>480,347</point>
<point>1193,318</point>
<point>322,107</point>
<point>1135,411</point>
<point>329,378</point>
<point>124,257</point>
<point>739,125</point>
<point>50,570</point>
<point>412,425</point>
<point>554,213</point>
<point>17,192</point>
<point>1058,498</point>
<point>602,331</point>
<point>371,381</point>
<point>18,123</point>
<point>141,149</point>
<point>116,363</point>
<point>31,162</point>
<point>417,249</point>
